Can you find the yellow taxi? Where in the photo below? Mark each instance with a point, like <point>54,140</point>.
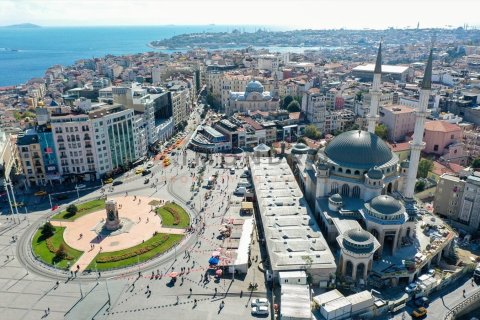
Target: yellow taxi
<point>107,181</point>
<point>419,313</point>
<point>138,171</point>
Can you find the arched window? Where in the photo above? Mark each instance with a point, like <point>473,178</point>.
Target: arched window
<point>345,190</point>
<point>348,171</point>
<point>340,170</point>
<point>334,188</point>
<point>357,172</point>
<point>356,192</point>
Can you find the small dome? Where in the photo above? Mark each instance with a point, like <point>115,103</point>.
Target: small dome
<point>405,164</point>
<point>386,205</point>
<point>375,173</point>
<point>300,148</point>
<point>336,198</point>
<point>358,235</point>
<point>322,165</point>
<point>254,86</point>
<point>358,241</point>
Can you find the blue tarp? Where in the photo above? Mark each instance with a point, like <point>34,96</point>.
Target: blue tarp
<point>214,260</point>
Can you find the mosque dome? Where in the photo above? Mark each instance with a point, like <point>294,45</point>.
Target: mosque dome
<point>300,148</point>
<point>254,86</point>
<point>385,204</point>
<point>358,241</point>
<point>358,149</point>
<point>336,198</point>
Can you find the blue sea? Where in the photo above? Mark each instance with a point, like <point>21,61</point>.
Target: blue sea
<point>27,53</point>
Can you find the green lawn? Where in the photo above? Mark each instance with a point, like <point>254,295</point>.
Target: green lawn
<point>40,248</point>
<point>164,246</point>
<point>83,209</point>
<point>168,219</point>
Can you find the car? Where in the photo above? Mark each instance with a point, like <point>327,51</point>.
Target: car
<point>61,196</point>
<point>107,181</point>
<point>117,182</point>
<point>420,312</point>
<point>422,302</point>
<point>260,310</point>
<point>431,272</point>
<point>146,181</point>
<point>146,172</point>
<point>412,287</point>
<point>245,175</point>
<point>232,170</point>
<point>41,193</point>
<point>18,204</point>
<point>259,302</point>
<point>149,165</point>
<point>80,186</point>
<point>240,191</point>
<point>138,171</point>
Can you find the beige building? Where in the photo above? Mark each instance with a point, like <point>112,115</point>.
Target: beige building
<point>448,196</point>
<point>399,120</point>
<point>30,154</point>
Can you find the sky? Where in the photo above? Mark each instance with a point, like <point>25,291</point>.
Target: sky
<point>288,14</point>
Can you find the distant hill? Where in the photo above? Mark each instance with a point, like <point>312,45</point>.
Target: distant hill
<point>23,25</point>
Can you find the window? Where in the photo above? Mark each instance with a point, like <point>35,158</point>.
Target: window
<point>435,147</point>
<point>452,136</point>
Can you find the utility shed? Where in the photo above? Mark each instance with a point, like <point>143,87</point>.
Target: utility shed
<point>361,302</point>
<point>336,309</point>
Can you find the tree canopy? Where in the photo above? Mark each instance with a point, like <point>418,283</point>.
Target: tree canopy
<point>312,132</point>
<point>424,167</point>
<point>476,163</point>
<point>286,101</point>
<point>381,131</point>
<point>293,106</point>
<point>47,230</point>
<point>72,210</point>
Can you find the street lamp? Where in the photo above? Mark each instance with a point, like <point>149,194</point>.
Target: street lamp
<point>78,193</point>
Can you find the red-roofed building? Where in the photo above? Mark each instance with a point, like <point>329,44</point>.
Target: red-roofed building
<point>445,139</point>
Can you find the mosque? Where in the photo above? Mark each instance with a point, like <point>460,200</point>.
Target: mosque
<point>253,98</point>
<point>363,195</point>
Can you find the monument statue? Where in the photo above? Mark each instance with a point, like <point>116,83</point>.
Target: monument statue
<point>113,222</point>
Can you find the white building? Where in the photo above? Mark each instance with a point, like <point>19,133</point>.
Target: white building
<point>254,98</point>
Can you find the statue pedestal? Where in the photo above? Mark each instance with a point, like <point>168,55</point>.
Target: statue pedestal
<point>113,222</point>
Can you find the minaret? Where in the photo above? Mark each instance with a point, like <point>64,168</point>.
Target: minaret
<point>417,144</point>
<point>275,85</point>
<point>375,92</point>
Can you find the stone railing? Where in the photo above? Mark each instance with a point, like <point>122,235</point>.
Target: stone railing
<point>462,306</point>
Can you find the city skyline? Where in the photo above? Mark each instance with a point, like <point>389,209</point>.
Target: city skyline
<point>397,14</point>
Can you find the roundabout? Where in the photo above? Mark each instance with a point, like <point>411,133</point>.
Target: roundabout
<point>123,232</point>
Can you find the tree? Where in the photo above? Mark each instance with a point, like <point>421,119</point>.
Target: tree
<point>293,106</point>
<point>424,167</point>
<point>420,186</point>
<point>381,131</point>
<point>476,163</point>
<point>47,230</point>
<point>72,210</point>
<point>312,132</point>
<point>286,101</point>
<point>61,253</point>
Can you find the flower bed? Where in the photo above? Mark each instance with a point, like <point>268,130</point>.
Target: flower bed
<point>141,250</point>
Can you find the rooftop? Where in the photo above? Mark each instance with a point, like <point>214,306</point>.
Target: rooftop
<point>441,126</point>
<point>385,68</point>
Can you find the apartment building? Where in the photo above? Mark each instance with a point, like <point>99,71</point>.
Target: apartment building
<point>314,106</point>
<point>30,154</point>
<point>399,120</point>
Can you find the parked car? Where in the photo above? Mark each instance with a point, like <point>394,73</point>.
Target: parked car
<point>117,182</point>
<point>41,193</point>
<point>146,172</point>
<point>107,181</point>
<point>419,313</point>
<point>412,287</point>
<point>138,171</point>
<point>240,191</point>
<point>422,302</point>
<point>259,302</point>
<point>149,165</point>
<point>80,186</point>
<point>61,196</point>
<point>146,181</point>
<point>260,310</point>
<point>232,170</point>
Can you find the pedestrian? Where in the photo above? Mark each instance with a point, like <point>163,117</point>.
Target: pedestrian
<point>190,290</point>
<point>48,310</point>
<point>178,299</point>
<point>464,291</point>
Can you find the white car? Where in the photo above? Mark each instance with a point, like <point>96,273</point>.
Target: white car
<point>149,165</point>
<point>260,310</point>
<point>232,170</point>
<point>80,186</point>
<point>412,287</point>
<point>259,302</point>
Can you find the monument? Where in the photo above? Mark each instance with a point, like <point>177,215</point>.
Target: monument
<point>113,222</point>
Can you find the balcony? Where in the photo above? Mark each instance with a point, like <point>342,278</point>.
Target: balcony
<point>89,154</point>
<point>88,145</point>
<point>60,139</point>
